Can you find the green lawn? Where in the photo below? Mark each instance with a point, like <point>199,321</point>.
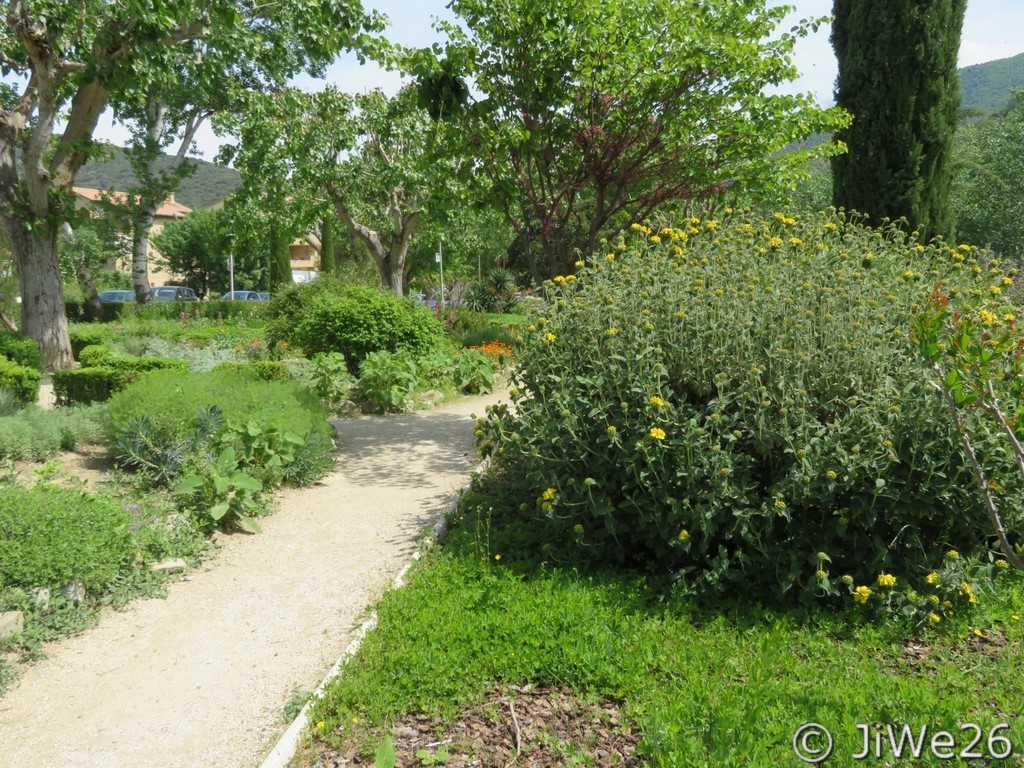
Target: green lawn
<point>704,687</point>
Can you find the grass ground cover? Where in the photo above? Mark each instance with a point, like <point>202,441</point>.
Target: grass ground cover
<point>704,687</point>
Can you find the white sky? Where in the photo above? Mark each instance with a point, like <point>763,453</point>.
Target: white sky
<point>992,30</point>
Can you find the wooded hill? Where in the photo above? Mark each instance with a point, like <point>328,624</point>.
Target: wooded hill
<point>987,86</point>
<point>208,185</point>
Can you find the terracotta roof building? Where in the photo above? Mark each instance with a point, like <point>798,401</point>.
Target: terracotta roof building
<point>169,210</point>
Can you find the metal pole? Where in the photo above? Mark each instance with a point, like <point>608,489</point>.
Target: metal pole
<point>231,263</point>
<point>440,265</point>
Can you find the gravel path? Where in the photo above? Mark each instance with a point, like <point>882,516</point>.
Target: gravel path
<point>200,679</point>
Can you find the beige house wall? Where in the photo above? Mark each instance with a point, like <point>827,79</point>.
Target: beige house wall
<point>169,210</point>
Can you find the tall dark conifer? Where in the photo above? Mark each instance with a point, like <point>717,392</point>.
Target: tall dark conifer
<point>898,78</point>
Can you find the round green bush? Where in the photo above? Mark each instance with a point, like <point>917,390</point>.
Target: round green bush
<point>737,404</point>
<point>20,350</point>
<point>354,320</point>
<point>21,380</point>
<point>51,535</point>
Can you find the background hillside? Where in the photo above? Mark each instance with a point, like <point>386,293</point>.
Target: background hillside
<point>987,86</point>
<point>208,185</point>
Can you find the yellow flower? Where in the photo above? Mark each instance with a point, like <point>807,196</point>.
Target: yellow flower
<point>548,494</point>
<point>657,401</point>
<point>497,557</point>
<point>932,578</point>
<point>821,574</point>
<point>966,591</point>
<point>549,337</point>
<point>657,433</point>
<point>579,264</point>
<point>886,580</point>
<point>1002,564</point>
<point>861,594</point>
<point>953,554</point>
<point>321,724</point>
<point>986,317</point>
<point>995,290</point>
<point>780,504</point>
<point>611,431</point>
<point>558,280</point>
<point>684,535</point>
<point>655,239</point>
<point>831,475</point>
<point>1007,281</point>
<point>933,618</point>
<point>775,242</point>
<point>612,331</point>
<point>610,257</point>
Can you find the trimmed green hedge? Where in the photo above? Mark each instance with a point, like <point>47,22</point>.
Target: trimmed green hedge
<point>104,373</point>
<point>20,350</point>
<point>21,380</point>
<point>88,385</point>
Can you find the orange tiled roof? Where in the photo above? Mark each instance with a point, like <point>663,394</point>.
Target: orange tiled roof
<point>169,208</point>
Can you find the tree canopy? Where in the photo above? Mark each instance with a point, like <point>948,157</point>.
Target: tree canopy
<point>989,189</point>
<point>592,114</point>
<point>73,59</point>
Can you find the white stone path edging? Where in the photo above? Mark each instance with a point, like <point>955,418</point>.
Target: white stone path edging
<point>282,753</point>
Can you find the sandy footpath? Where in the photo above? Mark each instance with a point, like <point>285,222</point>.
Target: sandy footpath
<point>200,679</point>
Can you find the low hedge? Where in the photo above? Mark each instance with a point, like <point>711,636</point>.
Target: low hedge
<point>21,380</point>
<point>88,385</point>
<point>20,350</point>
<point>104,373</point>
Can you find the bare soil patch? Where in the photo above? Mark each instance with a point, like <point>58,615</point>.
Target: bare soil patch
<point>526,727</point>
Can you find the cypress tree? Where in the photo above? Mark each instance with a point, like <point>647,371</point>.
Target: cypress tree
<point>898,78</point>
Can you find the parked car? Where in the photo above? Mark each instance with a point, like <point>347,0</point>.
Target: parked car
<point>116,297</point>
<point>264,296</point>
<point>172,293</point>
<point>243,296</point>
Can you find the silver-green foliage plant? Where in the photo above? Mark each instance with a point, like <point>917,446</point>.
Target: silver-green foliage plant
<point>34,434</point>
<point>737,403</point>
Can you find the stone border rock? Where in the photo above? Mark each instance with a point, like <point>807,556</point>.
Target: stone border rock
<point>286,747</point>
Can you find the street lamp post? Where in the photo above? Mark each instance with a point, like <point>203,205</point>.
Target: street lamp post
<point>231,263</point>
<point>440,265</point>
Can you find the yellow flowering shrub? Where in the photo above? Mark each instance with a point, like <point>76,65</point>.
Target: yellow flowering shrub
<point>760,392</point>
